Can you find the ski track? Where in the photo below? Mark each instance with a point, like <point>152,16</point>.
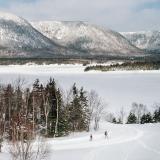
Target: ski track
<point>125,142</point>
<point>94,153</point>
<point>98,141</point>
<point>148,148</point>
<point>97,146</point>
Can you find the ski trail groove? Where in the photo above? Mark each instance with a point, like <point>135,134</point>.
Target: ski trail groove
<point>93,153</point>
<point>148,148</point>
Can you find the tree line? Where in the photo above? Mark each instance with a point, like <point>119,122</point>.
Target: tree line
<point>46,110</point>
<point>138,114</point>
<point>126,66</point>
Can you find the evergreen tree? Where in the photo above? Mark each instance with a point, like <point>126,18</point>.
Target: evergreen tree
<point>85,110</point>
<point>63,126</point>
<point>156,115</point>
<point>37,101</point>
<point>131,118</point>
<point>78,110</point>
<point>114,120</point>
<point>9,102</point>
<point>146,118</point>
<point>18,99</point>
<point>75,111</point>
<point>51,92</point>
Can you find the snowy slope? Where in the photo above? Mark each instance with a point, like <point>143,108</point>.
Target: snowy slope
<point>145,40</point>
<point>86,37</point>
<point>17,36</point>
<point>125,142</point>
<point>18,33</point>
<point>45,39</point>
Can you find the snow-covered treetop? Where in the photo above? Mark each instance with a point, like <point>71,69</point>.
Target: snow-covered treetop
<point>149,40</point>
<point>11,17</point>
<point>85,36</point>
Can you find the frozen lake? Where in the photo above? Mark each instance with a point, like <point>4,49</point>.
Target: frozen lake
<point>118,89</point>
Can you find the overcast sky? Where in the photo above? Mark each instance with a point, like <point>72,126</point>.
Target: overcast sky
<point>119,15</point>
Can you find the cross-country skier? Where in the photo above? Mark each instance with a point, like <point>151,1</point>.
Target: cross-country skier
<point>106,134</point>
<point>91,137</point>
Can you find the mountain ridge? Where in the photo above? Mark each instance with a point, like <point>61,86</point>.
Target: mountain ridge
<point>147,40</point>
<point>86,37</point>
<point>18,37</point>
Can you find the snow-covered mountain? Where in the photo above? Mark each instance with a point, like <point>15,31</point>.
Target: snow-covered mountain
<point>87,38</point>
<point>45,39</point>
<point>19,38</point>
<point>149,40</point>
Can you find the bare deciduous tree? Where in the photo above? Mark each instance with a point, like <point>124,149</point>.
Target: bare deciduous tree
<point>109,117</point>
<point>28,149</point>
<point>2,128</point>
<point>122,115</point>
<point>138,110</point>
<point>2,117</point>
<point>96,108</point>
<point>23,144</point>
<point>46,107</point>
<point>57,114</point>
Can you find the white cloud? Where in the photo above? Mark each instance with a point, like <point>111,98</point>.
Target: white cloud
<point>120,15</point>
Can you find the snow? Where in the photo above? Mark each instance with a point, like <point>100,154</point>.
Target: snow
<point>144,39</point>
<point>98,138</point>
<point>86,37</point>
<point>18,36</point>
<point>31,68</point>
<point>125,142</point>
<point>12,17</point>
<point>16,33</point>
<point>117,88</point>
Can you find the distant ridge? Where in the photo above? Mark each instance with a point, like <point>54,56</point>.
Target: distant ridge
<point>19,38</point>
<point>86,37</point>
<point>148,40</point>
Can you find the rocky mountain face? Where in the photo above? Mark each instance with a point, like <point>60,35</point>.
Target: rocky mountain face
<point>18,37</point>
<point>87,38</point>
<point>149,40</point>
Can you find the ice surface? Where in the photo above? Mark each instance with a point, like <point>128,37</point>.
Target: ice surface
<point>118,88</point>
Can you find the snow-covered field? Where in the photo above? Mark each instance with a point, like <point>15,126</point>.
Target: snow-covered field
<point>117,88</point>
<point>125,142</point>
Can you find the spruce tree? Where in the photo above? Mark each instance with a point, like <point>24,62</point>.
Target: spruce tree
<point>78,110</point>
<point>37,101</point>
<point>114,120</point>
<point>149,118</point>
<point>63,126</point>
<point>75,110</point>
<point>51,91</point>
<point>156,115</point>
<point>146,118</point>
<point>9,102</point>
<point>85,109</point>
<point>131,118</point>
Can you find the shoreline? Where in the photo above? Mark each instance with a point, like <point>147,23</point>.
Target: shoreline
<point>63,68</point>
